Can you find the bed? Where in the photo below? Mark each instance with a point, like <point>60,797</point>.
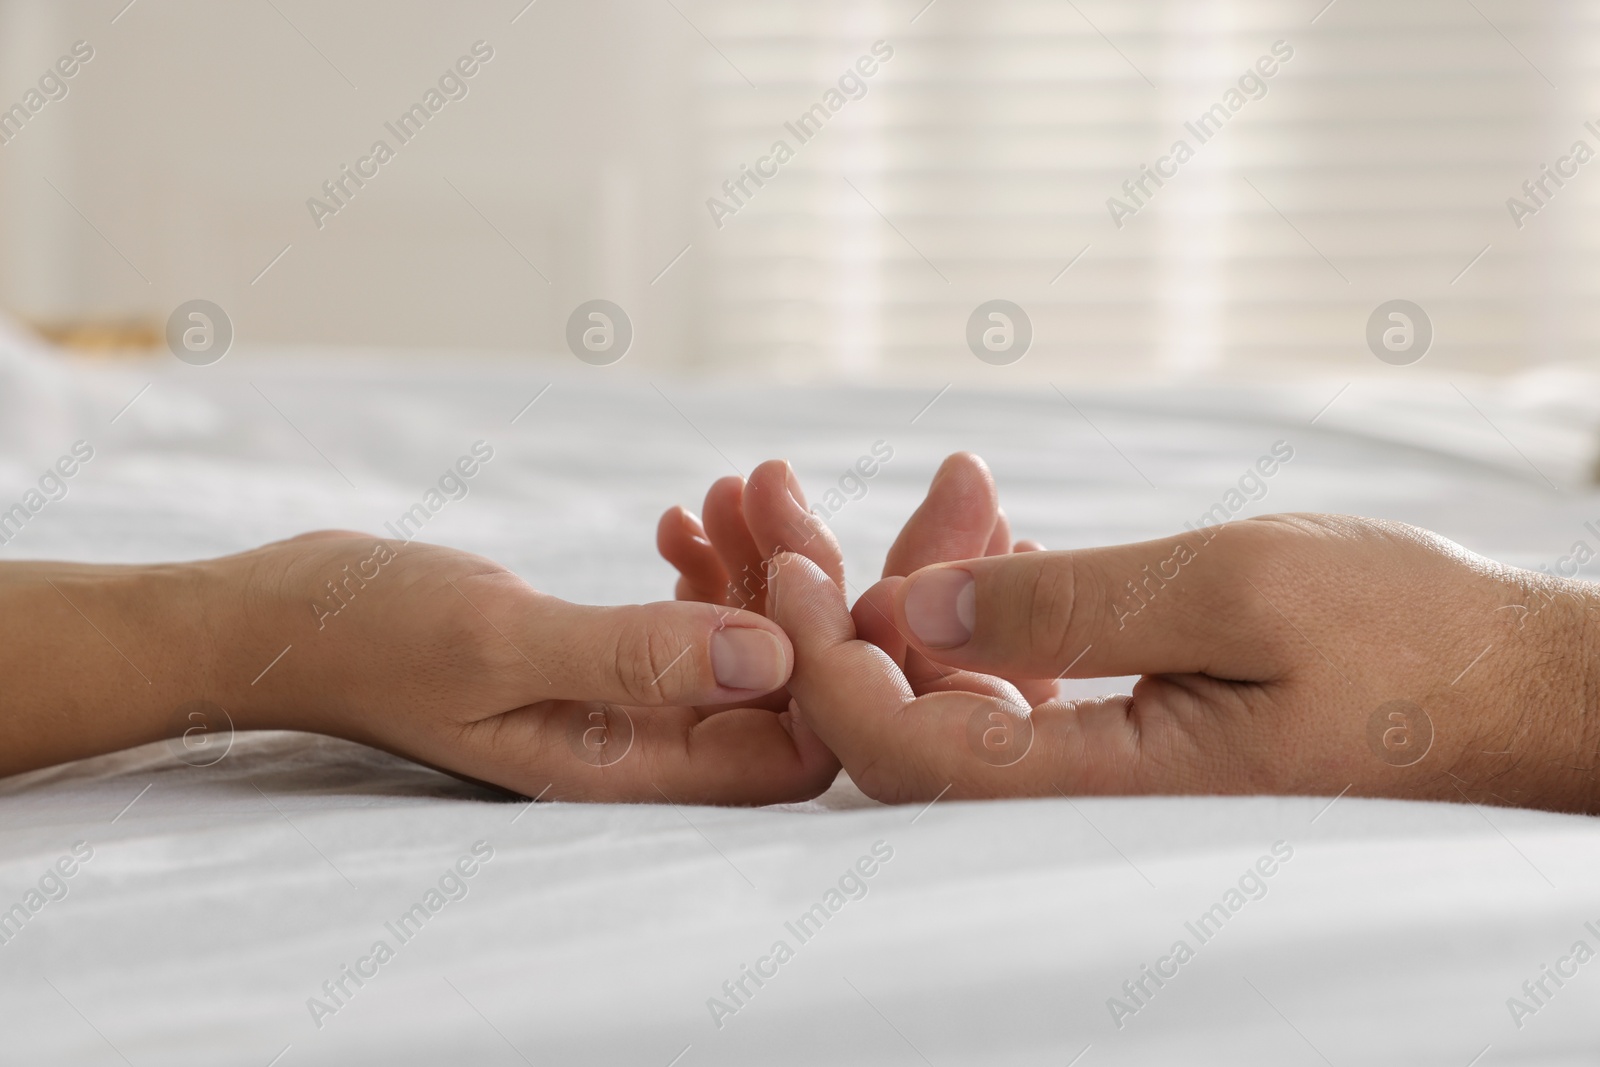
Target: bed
<point>225,911</point>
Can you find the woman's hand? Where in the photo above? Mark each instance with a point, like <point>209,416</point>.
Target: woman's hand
<point>451,660</point>
<point>725,559</point>
<point>1300,654</point>
<point>437,655</point>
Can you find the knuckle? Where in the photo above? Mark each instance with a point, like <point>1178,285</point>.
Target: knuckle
<point>1259,554</point>
<point>646,652</point>
<point>875,780</point>
<point>881,783</point>
<point>904,766</point>
<point>465,640</point>
<point>1045,597</point>
<point>1277,577</point>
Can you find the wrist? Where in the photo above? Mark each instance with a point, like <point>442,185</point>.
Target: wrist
<point>282,653</point>
<point>1555,732</point>
<point>1586,627</point>
<point>245,623</point>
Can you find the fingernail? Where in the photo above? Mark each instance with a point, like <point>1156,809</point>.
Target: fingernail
<point>745,658</point>
<point>795,492</point>
<point>941,606</point>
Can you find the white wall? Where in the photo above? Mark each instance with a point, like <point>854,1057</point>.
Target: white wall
<point>194,137</point>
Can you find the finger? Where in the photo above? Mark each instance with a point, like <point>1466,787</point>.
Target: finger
<point>729,533</point>
<point>900,748</point>
<point>1037,691</point>
<point>1000,537</point>
<point>775,510</point>
<point>1042,691</point>
<point>874,621</point>
<point>960,518</point>
<point>849,690</point>
<point>873,616</point>
<point>597,752</point>
<point>673,652</point>
<point>927,677</point>
<point>1176,605</point>
<point>955,521</point>
<point>777,700</point>
<point>682,542</point>
<point>324,535</point>
<point>747,756</point>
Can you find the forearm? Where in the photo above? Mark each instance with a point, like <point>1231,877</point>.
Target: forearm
<point>94,659</point>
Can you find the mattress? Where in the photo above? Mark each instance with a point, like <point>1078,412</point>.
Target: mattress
<point>304,900</point>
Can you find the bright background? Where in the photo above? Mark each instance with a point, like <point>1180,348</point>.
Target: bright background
<point>977,166</point>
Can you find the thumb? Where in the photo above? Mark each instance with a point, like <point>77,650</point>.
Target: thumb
<point>651,655</point>
<point>1171,606</point>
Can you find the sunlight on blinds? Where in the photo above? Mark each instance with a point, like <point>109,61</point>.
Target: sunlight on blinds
<point>1176,187</point>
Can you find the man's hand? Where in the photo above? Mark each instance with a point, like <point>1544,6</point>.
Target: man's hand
<point>1292,654</point>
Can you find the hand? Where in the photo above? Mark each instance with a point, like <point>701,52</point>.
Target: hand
<point>726,560</point>
<point>435,654</point>
<point>1292,654</point>
<point>959,519</point>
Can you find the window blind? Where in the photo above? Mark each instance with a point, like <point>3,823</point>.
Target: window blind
<point>987,157</point>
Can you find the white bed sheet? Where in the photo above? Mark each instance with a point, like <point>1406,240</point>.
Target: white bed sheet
<point>220,901</point>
